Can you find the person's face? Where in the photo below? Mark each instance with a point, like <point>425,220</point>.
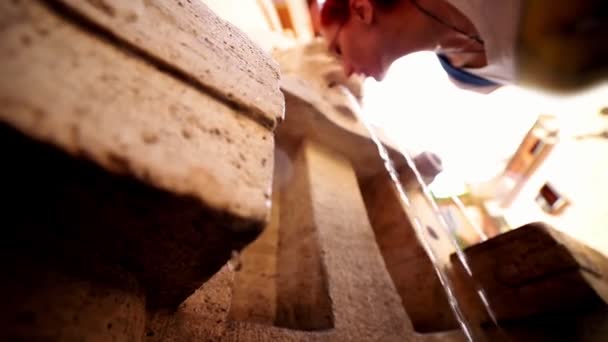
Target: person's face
<point>359,43</point>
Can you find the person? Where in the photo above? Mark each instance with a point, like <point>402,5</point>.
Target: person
<point>478,42</point>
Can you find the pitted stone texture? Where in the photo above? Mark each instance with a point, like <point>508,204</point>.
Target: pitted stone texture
<point>310,116</point>
<point>59,307</point>
<point>187,37</point>
<point>66,86</point>
<point>70,214</point>
<point>537,265</point>
<point>364,302</point>
<point>410,267</point>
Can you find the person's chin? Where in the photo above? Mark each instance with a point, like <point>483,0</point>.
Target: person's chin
<point>379,76</point>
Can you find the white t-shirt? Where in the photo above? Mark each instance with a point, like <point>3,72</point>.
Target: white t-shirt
<point>497,22</point>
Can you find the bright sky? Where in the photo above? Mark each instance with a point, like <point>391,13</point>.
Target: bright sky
<point>473,133</point>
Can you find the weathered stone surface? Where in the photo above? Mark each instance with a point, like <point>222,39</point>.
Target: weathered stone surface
<point>202,317</point>
<point>363,301</point>
<point>53,306</point>
<point>310,116</point>
<point>189,39</point>
<point>537,270</point>
<point>411,269</point>
<point>347,244</point>
<point>65,210</point>
<point>114,164</point>
<point>66,86</point>
<point>130,177</point>
<point>254,295</point>
<point>303,299</point>
<point>320,107</point>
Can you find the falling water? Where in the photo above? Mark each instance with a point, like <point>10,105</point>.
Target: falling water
<point>406,204</point>
<point>235,264</point>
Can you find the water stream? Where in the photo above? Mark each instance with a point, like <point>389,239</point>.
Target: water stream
<point>471,330</point>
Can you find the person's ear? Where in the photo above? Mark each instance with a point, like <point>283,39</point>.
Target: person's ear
<point>362,10</point>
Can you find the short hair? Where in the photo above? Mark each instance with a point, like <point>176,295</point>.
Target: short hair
<point>338,11</point>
